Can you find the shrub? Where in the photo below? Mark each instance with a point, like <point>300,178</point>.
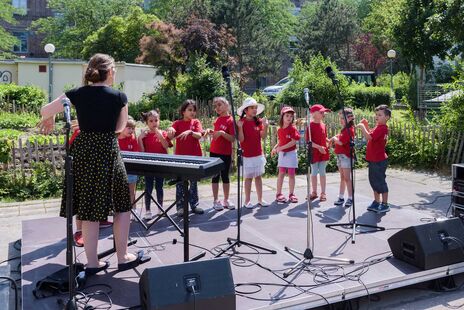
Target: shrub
<point>27,98</point>
<point>362,96</point>
<point>18,121</point>
<point>42,183</point>
<point>401,84</point>
<point>313,77</point>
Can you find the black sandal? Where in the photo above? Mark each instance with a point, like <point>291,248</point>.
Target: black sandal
<point>132,264</point>
<point>95,270</point>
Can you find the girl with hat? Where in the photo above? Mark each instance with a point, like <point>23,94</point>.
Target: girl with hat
<point>251,130</point>
<point>288,136</point>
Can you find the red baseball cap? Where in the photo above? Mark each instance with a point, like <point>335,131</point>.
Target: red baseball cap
<point>286,110</point>
<point>319,108</point>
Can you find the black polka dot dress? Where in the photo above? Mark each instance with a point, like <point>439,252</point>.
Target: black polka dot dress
<point>99,177</point>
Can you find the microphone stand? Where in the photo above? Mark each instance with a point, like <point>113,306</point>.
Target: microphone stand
<point>353,224</point>
<point>237,242</point>
<point>307,255</point>
<point>71,304</point>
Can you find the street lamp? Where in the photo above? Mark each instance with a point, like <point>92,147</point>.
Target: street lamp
<point>50,49</point>
<point>391,54</point>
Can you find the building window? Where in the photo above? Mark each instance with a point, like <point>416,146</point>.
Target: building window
<point>19,4</point>
<point>21,47</point>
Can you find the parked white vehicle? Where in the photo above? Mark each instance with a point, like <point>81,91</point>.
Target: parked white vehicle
<point>274,90</point>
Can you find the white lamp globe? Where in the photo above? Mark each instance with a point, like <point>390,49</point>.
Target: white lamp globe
<point>49,48</point>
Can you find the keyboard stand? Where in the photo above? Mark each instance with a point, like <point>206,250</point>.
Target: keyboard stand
<point>164,212</point>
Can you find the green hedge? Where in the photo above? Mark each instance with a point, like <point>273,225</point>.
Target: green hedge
<point>361,96</point>
<point>18,121</point>
<point>26,98</point>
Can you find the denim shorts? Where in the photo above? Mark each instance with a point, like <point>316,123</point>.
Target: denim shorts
<point>132,178</point>
<point>318,168</point>
<point>343,161</point>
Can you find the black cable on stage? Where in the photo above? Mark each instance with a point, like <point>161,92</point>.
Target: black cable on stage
<point>15,287</point>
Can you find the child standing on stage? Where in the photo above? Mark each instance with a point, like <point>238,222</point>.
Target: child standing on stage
<point>377,157</point>
<point>153,140</point>
<point>344,156</point>
<point>251,130</point>
<point>286,148</point>
<point>188,132</point>
<point>128,142</point>
<point>320,152</point>
<point>221,146</point>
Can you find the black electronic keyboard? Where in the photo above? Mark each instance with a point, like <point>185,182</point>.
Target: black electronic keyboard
<point>180,167</point>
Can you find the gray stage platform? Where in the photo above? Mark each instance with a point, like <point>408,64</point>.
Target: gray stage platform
<point>280,225</point>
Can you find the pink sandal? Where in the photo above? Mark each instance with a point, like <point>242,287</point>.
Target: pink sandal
<point>313,196</point>
<point>292,198</point>
<point>323,197</point>
<point>281,198</point>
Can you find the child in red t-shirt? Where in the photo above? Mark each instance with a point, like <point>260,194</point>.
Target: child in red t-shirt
<point>153,140</point>
<point>221,146</point>
<point>377,157</point>
<point>288,136</point>
<point>188,132</point>
<point>251,130</point>
<point>320,154</point>
<point>128,142</point>
<point>344,156</point>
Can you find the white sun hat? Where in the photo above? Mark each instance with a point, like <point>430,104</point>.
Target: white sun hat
<point>249,102</point>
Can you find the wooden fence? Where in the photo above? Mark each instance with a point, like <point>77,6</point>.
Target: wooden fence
<point>448,146</point>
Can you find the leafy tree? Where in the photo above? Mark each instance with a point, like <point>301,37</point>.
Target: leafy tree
<point>202,37</point>
<point>164,50</point>
<point>75,20</point>
<point>367,54</point>
<point>262,29</point>
<point>329,28</point>
<point>178,12</point>
<point>7,41</point>
<point>170,48</point>
<point>381,22</point>
<point>120,36</point>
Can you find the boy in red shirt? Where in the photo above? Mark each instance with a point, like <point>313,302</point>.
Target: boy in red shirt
<point>377,157</point>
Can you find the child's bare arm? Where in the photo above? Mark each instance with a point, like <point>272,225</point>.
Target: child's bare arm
<point>364,131</point>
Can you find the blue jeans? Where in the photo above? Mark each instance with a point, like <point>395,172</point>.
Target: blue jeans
<point>149,189</point>
<point>193,195</point>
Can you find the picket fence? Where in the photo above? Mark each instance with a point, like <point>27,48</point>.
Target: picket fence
<point>449,145</point>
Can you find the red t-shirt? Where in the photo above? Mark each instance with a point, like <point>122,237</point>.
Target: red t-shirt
<point>74,135</point>
<point>152,144</point>
<point>375,150</point>
<point>344,137</point>
<point>251,145</point>
<point>128,144</point>
<point>286,135</point>
<point>189,146</point>
<point>221,145</point>
<point>318,136</point>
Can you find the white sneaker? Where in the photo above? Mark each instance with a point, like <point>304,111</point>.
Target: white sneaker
<point>228,205</point>
<point>263,203</point>
<point>217,206</point>
<point>249,205</point>
<point>148,216</point>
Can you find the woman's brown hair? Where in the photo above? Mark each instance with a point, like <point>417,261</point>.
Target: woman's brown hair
<point>98,67</point>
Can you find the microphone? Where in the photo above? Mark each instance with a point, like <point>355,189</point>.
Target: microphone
<point>306,95</point>
<point>331,74</point>
<point>67,110</point>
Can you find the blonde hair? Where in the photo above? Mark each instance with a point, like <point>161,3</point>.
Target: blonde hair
<point>130,122</point>
<point>98,67</point>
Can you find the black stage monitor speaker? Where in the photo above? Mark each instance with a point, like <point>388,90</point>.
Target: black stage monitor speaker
<point>173,287</point>
<point>430,245</point>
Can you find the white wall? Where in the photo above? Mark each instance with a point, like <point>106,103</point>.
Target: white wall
<point>137,79</point>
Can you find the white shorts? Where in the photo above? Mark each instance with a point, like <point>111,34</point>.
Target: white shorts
<point>288,159</point>
<point>253,166</point>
